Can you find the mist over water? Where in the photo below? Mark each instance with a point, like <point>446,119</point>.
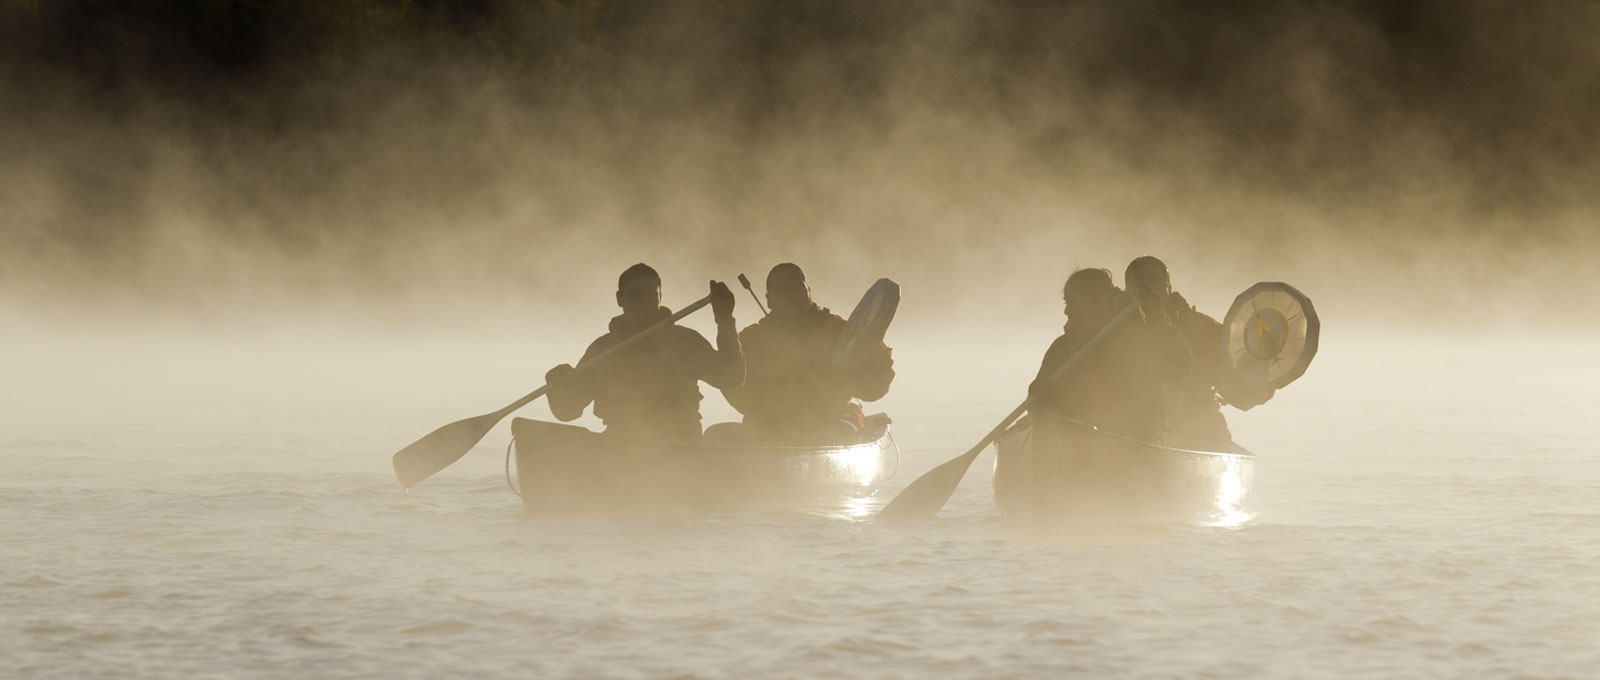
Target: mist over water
<point>469,161</point>
<point>227,508</point>
<point>248,251</point>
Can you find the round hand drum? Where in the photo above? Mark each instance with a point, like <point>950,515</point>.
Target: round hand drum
<point>866,326</point>
<point>1272,334</point>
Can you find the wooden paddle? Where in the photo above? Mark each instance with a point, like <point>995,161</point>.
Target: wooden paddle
<point>926,494</point>
<point>448,444</point>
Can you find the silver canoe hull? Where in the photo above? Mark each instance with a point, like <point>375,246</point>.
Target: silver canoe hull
<point>566,470</point>
<point>1057,470</point>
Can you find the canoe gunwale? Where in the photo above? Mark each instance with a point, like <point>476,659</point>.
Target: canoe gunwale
<point>1083,474</point>
<point>884,437</point>
<point>795,450</point>
<point>569,470</point>
<point>1240,452</point>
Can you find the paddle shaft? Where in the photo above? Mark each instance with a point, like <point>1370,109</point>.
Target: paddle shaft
<point>1095,340</point>
<point>925,495</point>
<point>446,445</point>
<point>746,283</point>
<point>1054,376</point>
<point>629,342</point>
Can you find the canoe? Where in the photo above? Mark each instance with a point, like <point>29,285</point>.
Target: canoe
<point>1061,470</point>
<point>564,470</point>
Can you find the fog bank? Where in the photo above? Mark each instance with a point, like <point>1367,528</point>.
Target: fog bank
<point>1427,162</point>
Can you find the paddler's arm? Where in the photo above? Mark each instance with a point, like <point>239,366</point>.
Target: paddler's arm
<point>568,391</point>
<point>1240,394</point>
<point>1041,392</point>
<point>744,397</point>
<point>724,368</point>
<point>872,378</point>
<point>869,376</point>
<point>1167,346</point>
<point>1173,361</point>
<point>1205,336</point>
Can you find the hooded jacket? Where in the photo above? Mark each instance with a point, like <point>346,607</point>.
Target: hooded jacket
<point>1194,403</point>
<point>791,386</point>
<point>1120,385</point>
<point>652,389</point>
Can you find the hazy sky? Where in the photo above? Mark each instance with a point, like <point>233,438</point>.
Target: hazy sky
<point>217,160</point>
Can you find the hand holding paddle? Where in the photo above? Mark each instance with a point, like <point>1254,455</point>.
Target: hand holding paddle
<point>446,445</point>
<point>722,301</point>
<point>926,494</point>
<point>560,374</point>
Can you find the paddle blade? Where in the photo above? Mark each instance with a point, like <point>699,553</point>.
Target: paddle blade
<point>441,447</point>
<point>923,498</point>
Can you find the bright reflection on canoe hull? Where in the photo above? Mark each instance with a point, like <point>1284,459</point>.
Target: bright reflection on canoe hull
<point>566,470</point>
<point>1060,471</point>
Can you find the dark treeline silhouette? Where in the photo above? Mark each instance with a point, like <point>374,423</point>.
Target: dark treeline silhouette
<point>1502,76</point>
<point>208,51</point>
<point>353,127</point>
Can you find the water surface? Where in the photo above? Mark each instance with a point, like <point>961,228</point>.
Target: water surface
<point>223,508</point>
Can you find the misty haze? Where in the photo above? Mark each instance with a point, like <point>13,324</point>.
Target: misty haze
<point>253,253</point>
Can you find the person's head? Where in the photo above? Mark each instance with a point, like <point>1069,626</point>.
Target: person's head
<point>639,290</point>
<point>1147,273</point>
<point>786,288</point>
<point>1089,293</point>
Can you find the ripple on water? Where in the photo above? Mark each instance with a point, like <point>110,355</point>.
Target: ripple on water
<point>35,581</point>
<point>1379,551</point>
<point>50,628</point>
<point>444,627</point>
